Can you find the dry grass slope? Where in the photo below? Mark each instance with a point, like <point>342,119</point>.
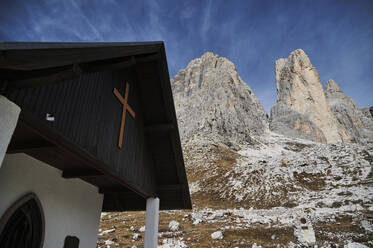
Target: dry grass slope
<point>252,195</point>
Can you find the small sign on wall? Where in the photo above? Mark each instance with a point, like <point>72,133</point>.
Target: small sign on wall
<point>49,117</point>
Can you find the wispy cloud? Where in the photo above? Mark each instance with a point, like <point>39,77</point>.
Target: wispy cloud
<point>337,35</point>
<point>206,20</point>
<point>87,21</point>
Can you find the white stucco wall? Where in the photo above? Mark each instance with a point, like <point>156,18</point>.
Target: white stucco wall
<point>9,113</point>
<point>71,206</point>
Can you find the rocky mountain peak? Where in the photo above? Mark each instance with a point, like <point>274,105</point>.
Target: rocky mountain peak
<point>301,109</point>
<point>209,63</point>
<point>297,61</point>
<point>349,116</point>
<point>332,87</point>
<point>212,100</point>
<point>335,95</point>
<point>211,60</point>
<point>294,75</point>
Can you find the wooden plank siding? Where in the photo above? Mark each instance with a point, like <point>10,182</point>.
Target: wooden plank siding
<point>19,56</point>
<point>75,83</point>
<point>88,114</point>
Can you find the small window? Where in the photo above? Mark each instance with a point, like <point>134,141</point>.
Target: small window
<point>71,242</point>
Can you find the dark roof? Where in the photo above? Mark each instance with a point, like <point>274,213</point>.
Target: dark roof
<point>75,82</point>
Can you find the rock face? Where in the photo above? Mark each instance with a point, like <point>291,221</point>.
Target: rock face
<point>358,125</point>
<point>211,99</point>
<point>368,112</point>
<point>301,109</point>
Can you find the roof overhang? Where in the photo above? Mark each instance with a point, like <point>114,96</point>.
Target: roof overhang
<point>43,76</point>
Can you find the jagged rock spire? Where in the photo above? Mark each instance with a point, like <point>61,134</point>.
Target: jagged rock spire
<point>301,109</point>
<point>332,87</point>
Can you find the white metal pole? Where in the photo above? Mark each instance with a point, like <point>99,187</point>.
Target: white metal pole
<point>151,223</point>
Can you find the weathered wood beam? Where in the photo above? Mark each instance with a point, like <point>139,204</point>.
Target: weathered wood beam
<point>148,58</point>
<point>159,127</point>
<point>42,130</point>
<point>119,63</point>
<point>2,56</point>
<point>3,86</point>
<point>28,146</point>
<point>162,188</point>
<point>33,59</point>
<point>81,173</point>
<point>121,190</point>
<point>106,65</point>
<point>12,75</point>
<point>123,201</point>
<point>175,141</point>
<point>67,74</point>
<point>20,79</point>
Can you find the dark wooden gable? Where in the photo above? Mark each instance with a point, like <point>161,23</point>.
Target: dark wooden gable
<point>82,140</point>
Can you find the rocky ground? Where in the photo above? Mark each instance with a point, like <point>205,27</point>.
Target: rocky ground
<point>254,194</point>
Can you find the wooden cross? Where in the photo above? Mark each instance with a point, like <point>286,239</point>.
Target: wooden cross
<point>126,108</point>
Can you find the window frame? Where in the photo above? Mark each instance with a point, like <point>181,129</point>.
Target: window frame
<point>19,203</point>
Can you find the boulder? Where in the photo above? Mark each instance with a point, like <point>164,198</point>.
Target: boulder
<point>174,226</point>
<point>304,232</point>
<point>217,235</point>
<point>136,236</point>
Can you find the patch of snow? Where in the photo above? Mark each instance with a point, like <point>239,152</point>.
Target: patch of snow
<point>174,226</point>
<point>367,225</point>
<point>355,245</point>
<point>256,246</point>
<point>136,236</point>
<point>217,235</point>
<point>108,242</point>
<point>197,218</point>
<point>172,243</point>
<point>108,231</point>
<point>194,187</point>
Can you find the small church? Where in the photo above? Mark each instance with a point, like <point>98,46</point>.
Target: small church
<point>85,128</point>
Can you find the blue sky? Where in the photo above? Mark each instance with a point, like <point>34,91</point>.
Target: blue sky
<point>336,35</point>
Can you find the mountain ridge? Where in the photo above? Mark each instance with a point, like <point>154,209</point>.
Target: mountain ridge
<point>221,102</point>
<point>253,177</point>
